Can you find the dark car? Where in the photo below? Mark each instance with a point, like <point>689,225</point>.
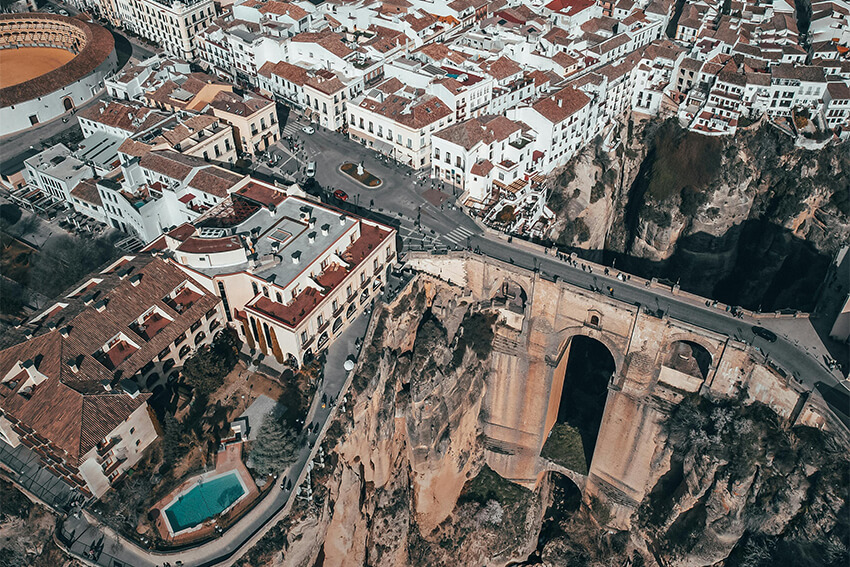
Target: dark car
<point>769,336</point>
<point>341,195</point>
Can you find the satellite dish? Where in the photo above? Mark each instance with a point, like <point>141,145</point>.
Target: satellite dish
<point>348,365</point>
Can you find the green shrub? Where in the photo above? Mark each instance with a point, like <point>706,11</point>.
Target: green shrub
<point>564,447</point>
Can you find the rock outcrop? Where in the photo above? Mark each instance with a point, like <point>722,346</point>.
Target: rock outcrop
<point>732,217</point>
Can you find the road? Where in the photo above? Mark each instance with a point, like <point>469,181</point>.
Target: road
<point>428,219</point>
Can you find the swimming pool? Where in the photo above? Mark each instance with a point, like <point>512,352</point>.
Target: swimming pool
<point>209,497</point>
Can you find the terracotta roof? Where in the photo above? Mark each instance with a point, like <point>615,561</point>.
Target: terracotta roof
<point>128,116</point>
<point>262,194</point>
<point>561,105</point>
<point>72,409</point>
<point>325,81</point>
<point>327,39</point>
<point>564,60</point>
<point>570,7</point>
<point>283,9</point>
<point>97,47</point>
<point>501,68</point>
<point>214,180</point>
<point>838,91</point>
<point>486,129</point>
<point>133,148</point>
<point>243,106</point>
<point>414,114</point>
<point>87,191</point>
<point>482,168</point>
<point>292,73</point>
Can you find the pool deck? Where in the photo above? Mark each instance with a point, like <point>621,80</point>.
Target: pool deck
<point>230,459</point>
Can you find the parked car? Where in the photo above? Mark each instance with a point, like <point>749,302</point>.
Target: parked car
<point>308,130</point>
<point>311,169</point>
<point>341,195</point>
<point>769,336</point>
<point>63,12</point>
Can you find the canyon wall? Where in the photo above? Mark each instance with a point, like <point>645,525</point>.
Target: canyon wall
<point>750,220</point>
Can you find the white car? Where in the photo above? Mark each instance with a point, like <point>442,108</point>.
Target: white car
<point>308,130</point>
<point>63,12</point>
<point>311,169</point>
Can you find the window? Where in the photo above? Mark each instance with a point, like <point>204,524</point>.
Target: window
<point>320,320</point>
<point>335,304</point>
<point>255,288</point>
<point>278,297</point>
<point>265,291</point>
<point>348,291</point>
<point>303,337</point>
<point>409,143</point>
<point>132,430</point>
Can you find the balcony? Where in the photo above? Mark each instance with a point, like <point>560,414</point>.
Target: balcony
<point>520,143</point>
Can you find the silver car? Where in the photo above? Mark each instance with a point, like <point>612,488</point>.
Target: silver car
<point>311,169</point>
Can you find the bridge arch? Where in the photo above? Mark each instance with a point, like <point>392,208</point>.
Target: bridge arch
<point>586,362</point>
<point>688,357</point>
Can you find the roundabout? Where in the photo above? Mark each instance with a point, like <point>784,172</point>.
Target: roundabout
<point>356,172</point>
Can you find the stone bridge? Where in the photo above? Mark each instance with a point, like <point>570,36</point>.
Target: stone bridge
<point>658,361</point>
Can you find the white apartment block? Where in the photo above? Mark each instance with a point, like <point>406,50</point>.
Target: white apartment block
<point>472,155</point>
<point>174,25</point>
<point>398,123</point>
<point>292,274</point>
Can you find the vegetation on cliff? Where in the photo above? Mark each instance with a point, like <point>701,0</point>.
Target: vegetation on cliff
<point>738,475</point>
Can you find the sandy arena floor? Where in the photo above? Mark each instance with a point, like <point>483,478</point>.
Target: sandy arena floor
<point>25,63</point>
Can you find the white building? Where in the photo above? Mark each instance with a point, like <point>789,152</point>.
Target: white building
<point>292,273</point>
<point>398,122</point>
<point>174,25</point>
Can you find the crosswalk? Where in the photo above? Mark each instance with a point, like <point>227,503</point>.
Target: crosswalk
<point>458,236</point>
<point>291,129</point>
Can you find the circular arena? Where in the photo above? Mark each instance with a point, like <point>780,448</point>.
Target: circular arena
<point>49,65</point>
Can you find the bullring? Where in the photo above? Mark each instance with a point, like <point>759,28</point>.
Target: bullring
<point>49,65</point>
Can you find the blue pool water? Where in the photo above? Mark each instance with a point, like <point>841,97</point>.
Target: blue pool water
<point>204,501</point>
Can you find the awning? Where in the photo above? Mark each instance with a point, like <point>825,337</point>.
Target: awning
<point>188,197</point>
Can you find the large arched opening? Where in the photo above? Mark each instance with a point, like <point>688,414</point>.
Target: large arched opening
<point>688,357</point>
<point>584,372</point>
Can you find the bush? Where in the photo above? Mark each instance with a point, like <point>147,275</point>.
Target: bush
<point>9,214</point>
<point>506,215</point>
<point>565,448</point>
<point>476,334</point>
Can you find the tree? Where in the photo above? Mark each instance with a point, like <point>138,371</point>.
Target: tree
<point>9,213</point>
<point>275,447</point>
<point>206,369</point>
<point>172,440</point>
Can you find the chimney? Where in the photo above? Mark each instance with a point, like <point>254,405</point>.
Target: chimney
<point>560,103</point>
<point>311,238</point>
<point>74,364</point>
<point>136,279</point>
<point>342,220</point>
<point>65,331</point>
<point>312,223</point>
<point>325,229</point>
<point>100,305</point>
<point>107,385</point>
<point>296,257</point>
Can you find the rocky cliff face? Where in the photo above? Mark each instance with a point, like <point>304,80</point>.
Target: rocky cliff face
<point>401,478</point>
<point>731,217</point>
